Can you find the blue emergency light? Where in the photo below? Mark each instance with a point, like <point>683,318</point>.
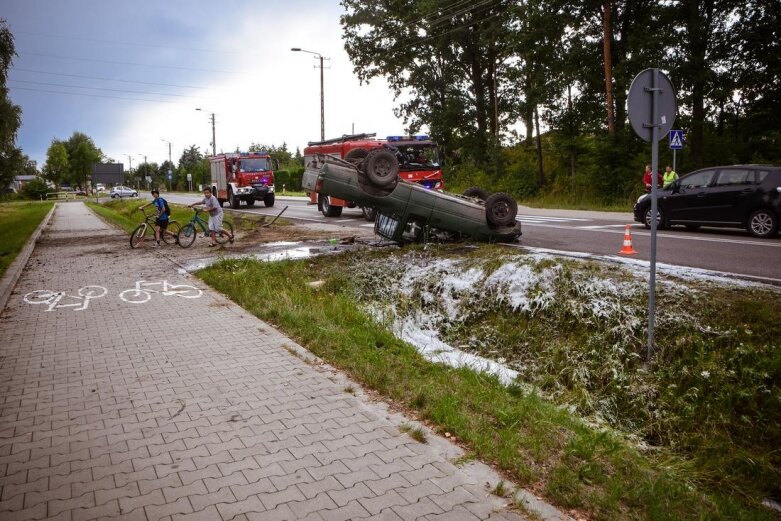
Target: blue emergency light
<point>407,138</point>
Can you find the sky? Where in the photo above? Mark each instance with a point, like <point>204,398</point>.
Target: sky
<point>131,74</point>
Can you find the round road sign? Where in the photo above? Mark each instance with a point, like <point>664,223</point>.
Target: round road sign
<point>640,107</point>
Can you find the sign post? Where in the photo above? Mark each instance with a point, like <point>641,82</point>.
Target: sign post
<point>676,143</point>
<point>652,108</point>
<point>190,182</point>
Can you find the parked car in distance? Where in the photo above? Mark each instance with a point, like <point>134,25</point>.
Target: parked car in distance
<point>79,191</point>
<point>100,187</point>
<point>409,212</point>
<point>735,196</point>
<point>123,191</point>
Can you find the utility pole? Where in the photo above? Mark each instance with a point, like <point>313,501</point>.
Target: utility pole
<point>130,168</point>
<point>214,135</point>
<point>322,91</point>
<point>170,164</point>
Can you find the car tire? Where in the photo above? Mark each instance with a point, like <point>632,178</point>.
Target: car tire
<point>500,209</point>
<point>269,200</point>
<point>370,214</point>
<point>327,209</point>
<point>135,194</point>
<point>474,192</point>
<point>660,223</point>
<point>381,167</point>
<point>762,223</point>
<point>235,202</point>
<point>356,155</point>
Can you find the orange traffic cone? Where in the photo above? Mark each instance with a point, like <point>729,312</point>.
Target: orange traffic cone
<point>627,249</point>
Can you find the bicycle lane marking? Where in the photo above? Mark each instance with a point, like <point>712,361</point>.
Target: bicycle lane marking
<point>53,298</point>
<point>143,291</point>
<point>140,294</point>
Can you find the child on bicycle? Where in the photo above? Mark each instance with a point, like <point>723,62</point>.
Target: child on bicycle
<point>161,221</point>
<point>213,206</point>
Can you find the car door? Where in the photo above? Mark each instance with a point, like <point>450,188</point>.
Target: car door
<point>728,195</point>
<point>688,202</point>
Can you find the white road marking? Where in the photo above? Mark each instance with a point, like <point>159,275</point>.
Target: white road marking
<point>143,291</point>
<point>54,299</point>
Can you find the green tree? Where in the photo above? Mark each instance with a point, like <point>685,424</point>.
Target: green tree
<point>57,167</point>
<point>82,154</point>
<point>11,158</point>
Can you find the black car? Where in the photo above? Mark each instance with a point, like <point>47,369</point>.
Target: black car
<point>736,196</point>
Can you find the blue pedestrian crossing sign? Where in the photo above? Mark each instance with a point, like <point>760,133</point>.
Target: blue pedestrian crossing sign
<point>676,139</point>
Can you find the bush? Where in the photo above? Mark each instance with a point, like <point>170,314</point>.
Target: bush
<point>35,189</point>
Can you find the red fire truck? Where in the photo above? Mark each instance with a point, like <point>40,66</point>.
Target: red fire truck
<point>244,176</point>
<point>417,155</point>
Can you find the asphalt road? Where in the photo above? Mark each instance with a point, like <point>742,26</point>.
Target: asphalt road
<point>597,233</point>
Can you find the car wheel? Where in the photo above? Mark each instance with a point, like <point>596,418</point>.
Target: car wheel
<point>269,200</point>
<point>476,193</point>
<point>327,209</point>
<point>500,209</point>
<point>113,196</point>
<point>356,155</point>
<point>762,223</point>
<point>235,202</point>
<point>381,167</point>
<point>135,194</point>
<point>659,219</point>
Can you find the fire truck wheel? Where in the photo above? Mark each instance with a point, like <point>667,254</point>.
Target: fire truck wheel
<point>250,202</point>
<point>327,209</point>
<point>477,193</point>
<point>500,209</point>
<point>369,213</point>
<point>269,200</point>
<point>235,202</point>
<point>381,167</point>
<point>356,155</point>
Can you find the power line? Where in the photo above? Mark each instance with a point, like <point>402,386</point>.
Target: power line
<point>112,62</point>
<point>134,44</point>
<point>111,79</point>
<point>98,88</point>
<point>96,95</point>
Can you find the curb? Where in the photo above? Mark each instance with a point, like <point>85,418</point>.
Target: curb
<point>14,271</point>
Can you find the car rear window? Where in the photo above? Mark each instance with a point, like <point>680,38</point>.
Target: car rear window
<point>734,177</point>
<point>760,176</point>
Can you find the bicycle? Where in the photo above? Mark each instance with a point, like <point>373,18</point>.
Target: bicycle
<point>169,235</point>
<point>188,232</point>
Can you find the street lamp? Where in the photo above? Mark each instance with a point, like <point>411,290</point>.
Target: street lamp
<point>214,139</point>
<point>322,95</point>
<point>170,164</point>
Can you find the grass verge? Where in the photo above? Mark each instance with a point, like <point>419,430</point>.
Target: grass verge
<point>535,442</point>
<point>20,219</point>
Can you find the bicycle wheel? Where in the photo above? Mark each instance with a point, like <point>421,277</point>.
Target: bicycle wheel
<point>137,237</point>
<point>225,234</point>
<point>186,236</point>
<point>171,234</point>
<point>135,296</point>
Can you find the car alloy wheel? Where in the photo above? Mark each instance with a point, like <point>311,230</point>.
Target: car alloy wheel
<point>762,223</point>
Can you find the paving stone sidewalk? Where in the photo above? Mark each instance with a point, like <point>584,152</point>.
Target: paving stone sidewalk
<point>130,390</point>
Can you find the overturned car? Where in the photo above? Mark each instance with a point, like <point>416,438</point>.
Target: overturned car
<point>408,212</point>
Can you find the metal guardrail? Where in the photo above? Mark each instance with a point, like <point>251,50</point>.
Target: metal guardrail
<point>61,195</point>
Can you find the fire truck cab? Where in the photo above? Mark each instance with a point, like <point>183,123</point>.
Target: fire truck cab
<point>418,158</point>
<point>244,176</point>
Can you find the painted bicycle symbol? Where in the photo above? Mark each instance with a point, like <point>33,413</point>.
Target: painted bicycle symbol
<point>59,299</point>
<point>144,289</point>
